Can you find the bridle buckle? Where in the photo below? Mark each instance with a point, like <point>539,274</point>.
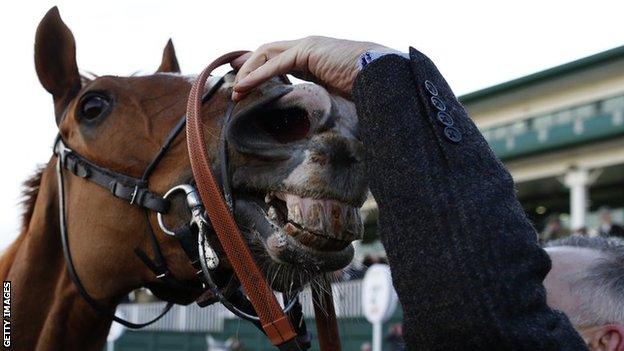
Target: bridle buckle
<point>134,194</point>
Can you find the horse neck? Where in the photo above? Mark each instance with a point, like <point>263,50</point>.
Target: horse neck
<point>48,312</point>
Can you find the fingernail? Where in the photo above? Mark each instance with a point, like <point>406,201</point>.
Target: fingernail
<point>236,96</point>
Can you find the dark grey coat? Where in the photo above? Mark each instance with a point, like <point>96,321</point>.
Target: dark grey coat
<point>465,260</point>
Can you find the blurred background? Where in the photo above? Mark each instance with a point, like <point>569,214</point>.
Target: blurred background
<point>544,81</point>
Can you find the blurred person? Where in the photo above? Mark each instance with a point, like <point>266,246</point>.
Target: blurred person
<point>465,260</point>
<point>607,227</point>
<point>394,339</point>
<point>586,283</point>
<point>554,229</point>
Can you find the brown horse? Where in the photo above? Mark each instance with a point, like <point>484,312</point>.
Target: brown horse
<point>296,172</point>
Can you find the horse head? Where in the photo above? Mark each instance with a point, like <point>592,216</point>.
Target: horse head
<point>295,165</point>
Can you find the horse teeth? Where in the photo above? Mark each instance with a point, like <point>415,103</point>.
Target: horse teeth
<point>272,213</point>
<point>336,218</point>
<point>314,216</point>
<point>268,197</point>
<point>294,213</point>
<point>322,216</point>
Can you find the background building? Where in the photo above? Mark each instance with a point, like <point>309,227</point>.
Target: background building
<point>560,132</point>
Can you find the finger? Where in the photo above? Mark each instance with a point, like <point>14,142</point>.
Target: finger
<point>281,64</point>
<point>239,61</point>
<point>262,55</point>
<point>236,96</point>
<point>254,61</point>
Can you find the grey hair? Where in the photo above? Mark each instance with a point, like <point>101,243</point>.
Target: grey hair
<point>600,288</point>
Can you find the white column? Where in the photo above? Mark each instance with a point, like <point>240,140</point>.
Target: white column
<point>377,336</point>
<point>578,180</point>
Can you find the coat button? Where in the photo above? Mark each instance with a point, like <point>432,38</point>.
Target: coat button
<point>438,103</point>
<point>452,134</point>
<point>445,119</point>
<point>431,88</point>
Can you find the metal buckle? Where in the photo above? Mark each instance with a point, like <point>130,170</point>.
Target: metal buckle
<point>60,149</point>
<point>134,194</point>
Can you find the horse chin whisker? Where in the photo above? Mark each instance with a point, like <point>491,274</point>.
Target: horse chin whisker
<point>281,276</point>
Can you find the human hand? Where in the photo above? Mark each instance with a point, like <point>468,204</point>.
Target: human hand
<point>330,62</point>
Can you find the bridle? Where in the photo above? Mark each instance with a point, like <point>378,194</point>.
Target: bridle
<point>260,306</point>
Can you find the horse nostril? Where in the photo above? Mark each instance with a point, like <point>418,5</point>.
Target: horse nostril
<point>285,125</point>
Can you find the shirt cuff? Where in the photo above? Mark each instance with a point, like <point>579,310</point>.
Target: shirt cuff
<point>370,56</point>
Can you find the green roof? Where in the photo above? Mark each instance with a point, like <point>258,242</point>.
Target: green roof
<point>567,68</point>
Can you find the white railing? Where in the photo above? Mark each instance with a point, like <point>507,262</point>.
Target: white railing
<point>347,300</point>
<point>180,318</point>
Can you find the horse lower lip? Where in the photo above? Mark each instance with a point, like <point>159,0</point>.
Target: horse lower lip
<point>285,249</point>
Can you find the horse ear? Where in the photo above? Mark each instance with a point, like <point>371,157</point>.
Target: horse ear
<point>55,60</point>
<point>169,60</point>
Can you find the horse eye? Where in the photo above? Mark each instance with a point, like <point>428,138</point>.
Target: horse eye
<point>93,105</point>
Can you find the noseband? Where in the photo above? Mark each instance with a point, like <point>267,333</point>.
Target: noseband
<point>260,306</point>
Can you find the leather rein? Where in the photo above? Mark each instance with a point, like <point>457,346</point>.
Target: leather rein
<point>285,327</point>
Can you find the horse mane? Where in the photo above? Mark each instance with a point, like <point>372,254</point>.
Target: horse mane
<point>30,190</point>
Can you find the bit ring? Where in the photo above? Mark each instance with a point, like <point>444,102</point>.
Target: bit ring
<point>192,201</point>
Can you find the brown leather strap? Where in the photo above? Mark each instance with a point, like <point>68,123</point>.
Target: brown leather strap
<point>326,323</point>
<point>274,322</point>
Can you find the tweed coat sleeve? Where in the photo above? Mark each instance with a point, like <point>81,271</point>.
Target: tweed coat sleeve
<point>464,258</point>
